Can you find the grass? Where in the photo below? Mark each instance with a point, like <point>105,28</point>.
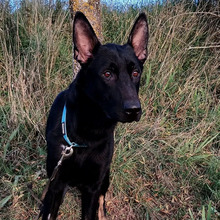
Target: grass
<point>166,166</point>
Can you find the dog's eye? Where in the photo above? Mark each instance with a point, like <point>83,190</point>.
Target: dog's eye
<point>107,74</point>
<point>135,73</point>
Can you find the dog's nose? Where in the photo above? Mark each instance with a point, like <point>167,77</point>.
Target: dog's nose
<point>132,108</point>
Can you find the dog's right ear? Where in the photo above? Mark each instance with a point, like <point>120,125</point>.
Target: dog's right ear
<point>84,39</point>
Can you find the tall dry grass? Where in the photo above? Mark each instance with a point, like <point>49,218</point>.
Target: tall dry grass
<point>35,64</point>
<point>167,165</point>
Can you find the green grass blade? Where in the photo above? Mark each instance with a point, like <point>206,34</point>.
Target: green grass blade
<point>203,213</point>
<point>4,201</point>
<point>11,137</point>
<point>205,143</point>
<point>209,212</point>
<point>191,215</point>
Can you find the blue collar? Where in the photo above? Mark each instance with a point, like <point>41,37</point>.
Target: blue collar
<point>64,131</point>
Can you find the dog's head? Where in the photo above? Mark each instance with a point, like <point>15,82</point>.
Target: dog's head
<point>111,73</point>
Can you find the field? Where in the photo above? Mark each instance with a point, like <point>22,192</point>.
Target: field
<point>167,166</point>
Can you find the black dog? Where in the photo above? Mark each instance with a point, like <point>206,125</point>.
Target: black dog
<point>104,92</point>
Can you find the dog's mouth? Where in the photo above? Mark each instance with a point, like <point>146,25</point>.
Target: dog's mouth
<point>125,117</point>
<point>131,116</point>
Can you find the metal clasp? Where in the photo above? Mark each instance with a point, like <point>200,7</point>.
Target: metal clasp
<point>67,152</point>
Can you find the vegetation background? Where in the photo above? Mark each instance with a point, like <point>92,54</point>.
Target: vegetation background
<point>167,166</point>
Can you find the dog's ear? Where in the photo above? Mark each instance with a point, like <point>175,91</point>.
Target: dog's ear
<point>138,37</point>
<point>84,38</point>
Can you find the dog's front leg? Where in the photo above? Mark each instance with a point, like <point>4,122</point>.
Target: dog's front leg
<point>89,204</point>
<point>53,199</point>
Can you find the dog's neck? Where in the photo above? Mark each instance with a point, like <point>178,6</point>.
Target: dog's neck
<point>86,117</point>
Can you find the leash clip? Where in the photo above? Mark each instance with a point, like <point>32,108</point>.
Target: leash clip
<point>67,152</point>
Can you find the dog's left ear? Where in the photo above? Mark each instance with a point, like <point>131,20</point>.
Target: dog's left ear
<point>84,38</point>
<point>138,37</point>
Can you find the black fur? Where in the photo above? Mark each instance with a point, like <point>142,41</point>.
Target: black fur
<point>104,92</point>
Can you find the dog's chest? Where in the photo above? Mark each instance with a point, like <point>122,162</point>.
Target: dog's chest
<point>88,162</point>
